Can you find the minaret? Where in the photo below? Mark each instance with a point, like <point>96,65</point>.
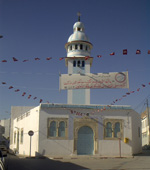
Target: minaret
<point>78,61</point>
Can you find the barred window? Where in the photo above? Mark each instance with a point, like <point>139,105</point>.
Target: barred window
<point>57,128</point>
<point>113,128</point>
<point>109,130</point>
<point>52,129</point>
<point>61,129</point>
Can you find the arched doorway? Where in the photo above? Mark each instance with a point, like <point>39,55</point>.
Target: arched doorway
<point>85,141</point>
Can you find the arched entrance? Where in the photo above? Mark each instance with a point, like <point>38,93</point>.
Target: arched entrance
<point>85,141</point>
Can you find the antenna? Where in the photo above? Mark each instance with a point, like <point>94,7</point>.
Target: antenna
<point>79,14</point>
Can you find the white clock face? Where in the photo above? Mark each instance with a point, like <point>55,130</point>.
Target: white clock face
<point>120,77</point>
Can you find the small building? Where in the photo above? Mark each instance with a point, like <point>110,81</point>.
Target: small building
<point>145,127</point>
<point>69,130</point>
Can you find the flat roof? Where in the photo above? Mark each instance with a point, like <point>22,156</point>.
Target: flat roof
<point>91,106</point>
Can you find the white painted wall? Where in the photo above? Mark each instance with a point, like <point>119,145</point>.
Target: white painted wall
<point>27,121</point>
<point>54,147</point>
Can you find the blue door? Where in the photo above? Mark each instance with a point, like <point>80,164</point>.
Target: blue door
<point>85,142</point>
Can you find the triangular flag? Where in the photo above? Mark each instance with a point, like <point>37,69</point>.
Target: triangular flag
<point>87,57</point>
<point>10,87</point>
<point>3,82</point>
<point>148,52</point>
<point>15,59</point>
<point>17,90</point>
<point>24,93</point>
<point>138,51</point>
<point>99,56</point>
<point>37,58</point>
<point>35,98</point>
<point>143,85</point>
<point>25,60</point>
<point>41,100</point>
<point>113,53</point>
<point>48,58</point>
<point>29,96</point>
<point>4,61</point>
<point>125,52</point>
<point>61,58</point>
<point>138,89</point>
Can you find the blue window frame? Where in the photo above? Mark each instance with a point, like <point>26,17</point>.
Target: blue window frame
<point>61,129</point>
<point>117,129</point>
<point>109,130</point>
<point>52,131</point>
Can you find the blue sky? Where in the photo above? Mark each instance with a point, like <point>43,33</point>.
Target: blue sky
<point>40,28</point>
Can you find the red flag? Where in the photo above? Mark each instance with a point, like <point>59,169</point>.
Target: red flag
<point>3,82</point>
<point>10,87</point>
<point>99,56</point>
<point>35,98</point>
<point>113,53</point>
<point>37,58</point>
<point>29,96</point>
<point>4,61</point>
<point>41,100</point>
<point>148,51</point>
<point>149,83</point>
<point>25,60</point>
<point>24,93</point>
<point>61,58</point>
<point>48,58</point>
<point>87,57</point>
<point>128,93</point>
<point>138,51</point>
<point>15,59</point>
<point>131,91</point>
<point>143,85</point>
<point>125,52</point>
<point>17,90</point>
<point>138,89</point>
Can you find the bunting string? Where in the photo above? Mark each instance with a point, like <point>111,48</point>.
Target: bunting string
<point>30,96</point>
<point>14,59</point>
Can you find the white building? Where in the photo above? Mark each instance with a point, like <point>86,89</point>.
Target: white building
<point>77,128</point>
<point>62,129</point>
<point>145,127</point>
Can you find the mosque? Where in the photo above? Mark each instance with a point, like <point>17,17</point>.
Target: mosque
<point>78,127</point>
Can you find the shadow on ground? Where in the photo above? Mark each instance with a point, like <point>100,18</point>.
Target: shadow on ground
<point>38,163</point>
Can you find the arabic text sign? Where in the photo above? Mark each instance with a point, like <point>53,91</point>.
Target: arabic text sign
<point>94,81</point>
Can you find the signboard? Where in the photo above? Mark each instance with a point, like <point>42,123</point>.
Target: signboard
<point>94,81</point>
<point>30,133</point>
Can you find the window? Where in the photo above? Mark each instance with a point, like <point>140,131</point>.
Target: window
<point>78,63</point>
<point>78,29</point>
<point>14,137</point>
<point>61,129</point>
<point>71,47</point>
<point>113,128</point>
<point>76,46</point>
<point>52,129</point>
<point>21,139</point>
<point>83,63</point>
<point>116,129</point>
<point>81,46</point>
<point>57,128</point>
<point>74,63</point>
<point>108,130</point>
<point>86,48</point>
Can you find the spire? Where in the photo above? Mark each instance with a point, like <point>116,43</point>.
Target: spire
<point>79,14</point>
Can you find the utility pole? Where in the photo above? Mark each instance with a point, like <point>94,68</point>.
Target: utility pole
<point>147,108</point>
